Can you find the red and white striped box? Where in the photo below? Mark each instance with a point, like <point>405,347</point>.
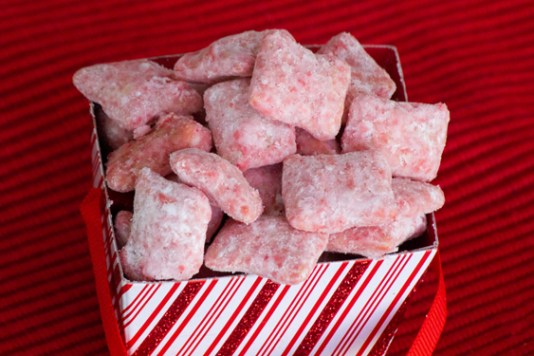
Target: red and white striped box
<point>342,308</point>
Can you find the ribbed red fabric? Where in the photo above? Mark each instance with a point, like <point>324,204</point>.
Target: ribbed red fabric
<point>477,56</point>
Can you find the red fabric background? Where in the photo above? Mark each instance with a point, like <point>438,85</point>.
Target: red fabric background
<point>478,57</point>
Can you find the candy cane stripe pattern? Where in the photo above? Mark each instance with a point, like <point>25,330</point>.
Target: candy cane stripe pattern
<point>342,308</point>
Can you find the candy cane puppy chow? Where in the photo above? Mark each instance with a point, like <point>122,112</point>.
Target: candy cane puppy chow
<point>411,136</point>
<point>134,93</point>
<point>293,85</point>
<point>331,193</point>
<point>172,132</point>
<point>376,241</point>
<point>241,134</point>
<point>415,197</point>
<point>366,75</point>
<point>269,247</point>
<point>220,180</point>
<point>168,230</point>
<point>230,56</point>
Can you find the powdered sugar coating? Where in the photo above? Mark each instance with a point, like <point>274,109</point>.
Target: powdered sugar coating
<point>368,241</point>
<point>366,75</point>
<point>134,93</point>
<point>332,193</point>
<point>217,214</point>
<point>230,56</point>
<point>172,132</point>
<point>269,247</point>
<point>415,197</point>
<point>220,180</point>
<point>376,241</point>
<point>268,181</point>
<point>241,134</point>
<point>168,230</point>
<point>411,136</point>
<point>405,227</point>
<point>123,224</point>
<point>291,84</point>
<point>308,145</point>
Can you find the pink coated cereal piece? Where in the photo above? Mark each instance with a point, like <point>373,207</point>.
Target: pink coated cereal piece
<point>242,135</point>
<point>366,75</point>
<point>268,181</point>
<point>415,197</point>
<point>220,180</point>
<point>376,241</point>
<point>171,133</point>
<point>291,84</point>
<point>217,214</point>
<point>410,135</point>
<point>368,241</point>
<point>332,193</point>
<point>405,227</point>
<point>123,223</point>
<point>308,145</point>
<point>141,131</point>
<point>269,247</point>
<point>134,93</point>
<point>231,56</point>
<point>168,230</point>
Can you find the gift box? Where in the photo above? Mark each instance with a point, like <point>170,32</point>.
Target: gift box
<point>343,308</point>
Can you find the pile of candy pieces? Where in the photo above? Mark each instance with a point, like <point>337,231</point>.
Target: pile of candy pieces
<point>267,153</point>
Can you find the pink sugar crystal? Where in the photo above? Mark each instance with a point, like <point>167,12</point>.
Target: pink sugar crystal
<point>168,230</point>
<point>268,181</point>
<point>172,133</point>
<point>268,247</point>
<point>410,135</point>
<point>308,145</point>
<point>366,75</point>
<point>231,56</point>
<point>134,93</point>
<point>332,193</point>
<point>242,135</point>
<point>123,223</point>
<point>291,84</point>
<point>220,180</point>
